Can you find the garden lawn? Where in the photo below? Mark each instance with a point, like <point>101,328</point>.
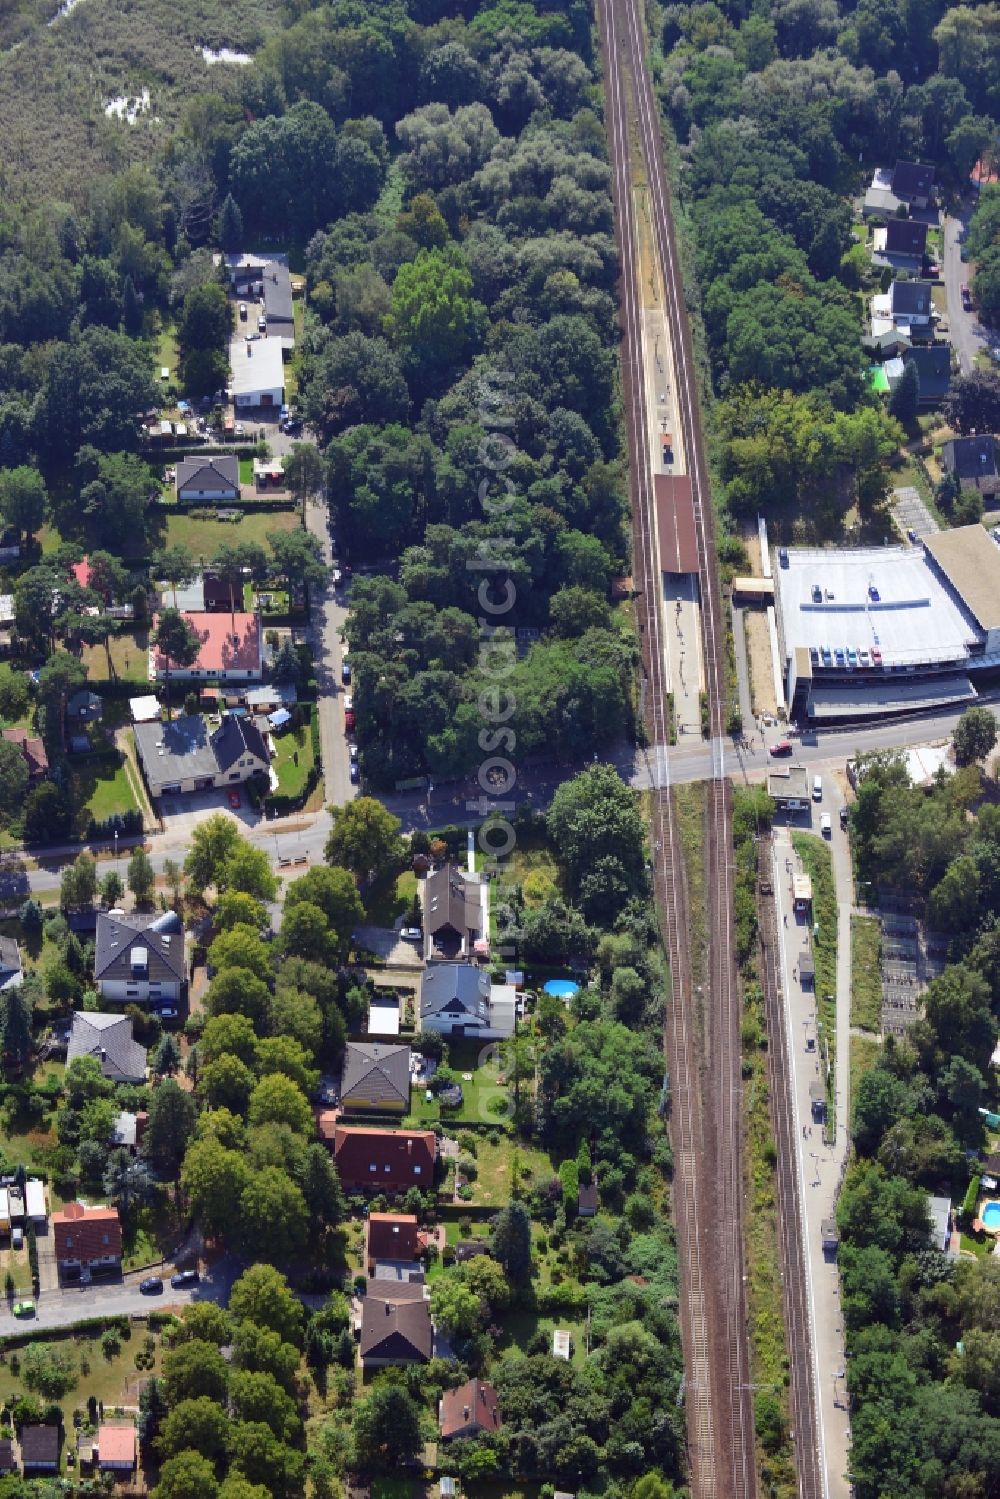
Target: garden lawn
<point>129,658</point>
<point>478,1094</point>
<point>167,353</point>
<point>246,470</point>
<point>293,760</point>
<point>520,1327</point>
<point>389,900</point>
<point>115,1381</point>
<point>203,538</point>
<point>99,787</point>
<point>495,1164</point>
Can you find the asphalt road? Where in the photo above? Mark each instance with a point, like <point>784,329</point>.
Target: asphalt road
<point>72,1304</point>
<point>328,617</point>
<point>967,336</point>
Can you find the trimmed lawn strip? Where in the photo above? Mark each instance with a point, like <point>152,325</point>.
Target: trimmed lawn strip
<point>99,787</point>
<point>203,538</point>
<point>866,973</point>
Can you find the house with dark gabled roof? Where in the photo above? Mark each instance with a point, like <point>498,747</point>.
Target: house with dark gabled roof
<point>210,477</point>
<point>901,244</point>
<point>972,458</point>
<point>385,1160</point>
<point>396,1325</point>
<point>376,1078</point>
<point>8,1458</point>
<point>458,999</point>
<point>139,958</point>
<point>184,756</point>
<point>109,1039</point>
<point>40,1449</point>
<point>933,362</point>
<point>912,183</point>
<point>910,303</point>
<point>452,911</point>
<point>469,1410</point>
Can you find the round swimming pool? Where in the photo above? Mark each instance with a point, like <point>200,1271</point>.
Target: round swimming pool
<point>565,989</point>
<point>990,1217</point>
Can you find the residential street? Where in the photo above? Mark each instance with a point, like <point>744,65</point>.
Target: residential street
<point>62,1308</point>
<point>328,616</point>
<point>967,337</point>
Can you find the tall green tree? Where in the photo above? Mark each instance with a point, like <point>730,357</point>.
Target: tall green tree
<point>23,499</point>
<point>177,641</point>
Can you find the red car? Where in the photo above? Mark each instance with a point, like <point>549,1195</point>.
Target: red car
<point>349,719</point>
<point>235,799</point>
<point>783,747</point>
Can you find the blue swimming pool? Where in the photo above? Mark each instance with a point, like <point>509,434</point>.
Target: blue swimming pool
<point>565,989</point>
<point>990,1217</point>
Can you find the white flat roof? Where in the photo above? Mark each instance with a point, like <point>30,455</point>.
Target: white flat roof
<point>144,709</point>
<point>914,620</point>
<point>256,365</point>
<point>383,1019</point>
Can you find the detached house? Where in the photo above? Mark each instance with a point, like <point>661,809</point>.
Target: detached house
<point>390,1236</point>
<point>468,1411</point>
<point>11,972</point>
<point>32,749</point>
<point>40,1449</point>
<point>231,649</point>
<point>209,478</point>
<point>901,244</point>
<point>376,1078</point>
<point>116,1449</point>
<point>910,304</point>
<point>86,1239</point>
<point>396,1325</point>
<point>183,756</point>
<point>458,999</point>
<point>109,1039</point>
<point>385,1159</point>
<point>971,459</point>
<point>139,958</point>
<point>453,914</point>
<point>912,183</point>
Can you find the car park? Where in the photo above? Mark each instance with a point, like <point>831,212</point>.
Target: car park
<point>825,825</point>
<point>184,1278</point>
<point>782,747</point>
<point>151,1286</point>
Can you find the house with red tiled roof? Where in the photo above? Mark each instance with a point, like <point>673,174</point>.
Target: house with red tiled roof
<point>86,1239</point>
<point>116,1448</point>
<point>390,1236</point>
<point>387,1160</point>
<point>32,749</point>
<point>469,1410</point>
<point>231,648</point>
<point>81,572</point>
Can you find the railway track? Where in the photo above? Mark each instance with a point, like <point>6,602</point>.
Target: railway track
<point>706,1122</point>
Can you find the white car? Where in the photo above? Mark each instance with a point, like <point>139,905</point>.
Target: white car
<point>825,825</point>
<point>411,934</point>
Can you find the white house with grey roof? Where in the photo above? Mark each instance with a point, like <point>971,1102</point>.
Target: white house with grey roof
<point>11,972</point>
<point>139,959</point>
<point>184,756</point>
<point>210,477</point>
<point>458,999</point>
<point>108,1038</point>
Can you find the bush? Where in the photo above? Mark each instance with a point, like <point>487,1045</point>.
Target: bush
<point>569,1176</point>
<point>971,1200</point>
<point>48,1369</point>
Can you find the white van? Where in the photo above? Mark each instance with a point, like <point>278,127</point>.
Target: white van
<point>817,788</point>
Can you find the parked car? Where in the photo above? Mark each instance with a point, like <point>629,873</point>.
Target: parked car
<point>355,773</point>
<point>243,312</point>
<point>24,1309</point>
<point>876,656</point>
<point>184,1278</point>
<point>262,324</point>
<point>864,658</point>
<point>817,788</point>
<point>239,430</point>
<point>151,1286</point>
<point>235,800</point>
<point>167,1012</point>
<point>283,414</point>
<point>349,719</point>
<point>844,816</point>
<point>825,825</point>
<point>354,754</point>
<point>411,934</point>
<point>348,701</point>
<point>783,747</point>
<point>17,1237</point>
<point>345,672</point>
<point>338,577</point>
<point>966,298</point>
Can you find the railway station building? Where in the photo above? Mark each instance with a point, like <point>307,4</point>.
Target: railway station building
<point>874,632</point>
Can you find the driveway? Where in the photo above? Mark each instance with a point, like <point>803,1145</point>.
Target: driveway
<point>967,336</point>
<point>386,943</point>
<point>48,1272</point>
